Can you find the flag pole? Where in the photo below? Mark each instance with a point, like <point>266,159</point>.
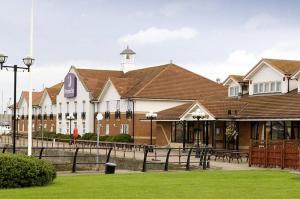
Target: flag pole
<point>30,85</point>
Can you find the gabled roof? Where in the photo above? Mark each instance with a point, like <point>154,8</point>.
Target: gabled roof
<point>173,82</point>
<point>236,78</point>
<point>36,97</point>
<point>285,67</point>
<point>164,82</point>
<point>94,80</point>
<point>54,91</point>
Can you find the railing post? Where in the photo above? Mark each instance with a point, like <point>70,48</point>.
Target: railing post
<point>108,155</point>
<point>167,160</point>
<point>4,149</point>
<point>145,159</point>
<point>74,160</point>
<point>282,155</point>
<point>250,153</point>
<point>41,153</point>
<point>204,159</point>
<point>188,159</point>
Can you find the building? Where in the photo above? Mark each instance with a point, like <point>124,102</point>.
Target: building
<point>124,97</point>
<point>261,105</point>
<point>43,110</point>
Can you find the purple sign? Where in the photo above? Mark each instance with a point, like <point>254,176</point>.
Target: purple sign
<point>70,86</point>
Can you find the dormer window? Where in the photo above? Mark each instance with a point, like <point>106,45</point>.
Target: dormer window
<point>267,87</point>
<point>234,91</point>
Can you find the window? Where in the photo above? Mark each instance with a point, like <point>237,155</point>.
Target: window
<point>278,86</point>
<point>277,130</point>
<point>60,107</point>
<point>107,129</point>
<point>261,88</point>
<point>83,127</point>
<point>107,106</point>
<point>67,107</point>
<point>59,127</point>
<point>118,105</point>
<point>234,91</point>
<point>267,87</point>
<point>272,86</point>
<point>124,129</point>
<point>255,88</point>
<point>75,107</point>
<point>68,126</point>
<point>129,105</point>
<point>83,106</point>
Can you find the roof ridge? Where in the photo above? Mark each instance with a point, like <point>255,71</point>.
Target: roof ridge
<point>156,76</point>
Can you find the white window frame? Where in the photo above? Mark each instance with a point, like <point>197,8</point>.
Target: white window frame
<point>106,129</point>
<point>124,129</point>
<point>267,87</point>
<point>234,91</point>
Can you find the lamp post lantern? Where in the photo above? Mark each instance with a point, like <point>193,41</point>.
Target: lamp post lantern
<point>198,114</point>
<point>151,116</point>
<point>99,118</point>
<point>70,118</point>
<point>28,61</point>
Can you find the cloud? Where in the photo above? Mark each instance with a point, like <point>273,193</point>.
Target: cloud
<point>157,35</point>
<point>172,9</point>
<point>261,21</point>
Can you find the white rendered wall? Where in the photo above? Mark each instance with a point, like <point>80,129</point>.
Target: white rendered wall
<point>82,95</point>
<point>267,74</point>
<point>234,84</point>
<point>47,106</point>
<point>23,108</point>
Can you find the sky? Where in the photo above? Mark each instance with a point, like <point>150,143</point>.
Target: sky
<point>213,38</point>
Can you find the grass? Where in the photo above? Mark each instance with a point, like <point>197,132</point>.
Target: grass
<point>208,185</point>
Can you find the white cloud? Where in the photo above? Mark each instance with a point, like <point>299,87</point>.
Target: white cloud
<point>157,35</point>
<point>172,9</point>
<point>262,20</point>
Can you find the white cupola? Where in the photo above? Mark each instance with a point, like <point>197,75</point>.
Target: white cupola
<point>127,60</point>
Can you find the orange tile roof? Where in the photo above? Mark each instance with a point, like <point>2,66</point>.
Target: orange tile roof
<point>36,97</point>
<point>54,91</point>
<point>95,80</point>
<point>287,67</point>
<point>166,82</point>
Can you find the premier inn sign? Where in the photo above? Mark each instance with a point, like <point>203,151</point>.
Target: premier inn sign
<point>70,86</point>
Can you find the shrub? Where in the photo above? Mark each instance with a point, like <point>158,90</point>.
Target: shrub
<point>122,138</point>
<point>107,138</point>
<point>22,171</point>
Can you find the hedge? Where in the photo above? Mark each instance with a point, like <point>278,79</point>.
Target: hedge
<point>107,138</point>
<point>18,170</point>
<point>86,136</point>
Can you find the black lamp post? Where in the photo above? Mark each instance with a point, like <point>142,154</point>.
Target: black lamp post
<point>198,114</point>
<point>70,118</point>
<point>28,61</point>
<point>17,118</point>
<point>151,116</point>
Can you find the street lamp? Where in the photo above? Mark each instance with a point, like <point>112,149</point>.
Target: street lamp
<point>99,118</point>
<point>70,118</point>
<point>28,61</point>
<point>151,116</point>
<point>198,114</point>
<point>17,118</point>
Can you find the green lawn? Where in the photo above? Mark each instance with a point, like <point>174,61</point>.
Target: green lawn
<point>206,185</point>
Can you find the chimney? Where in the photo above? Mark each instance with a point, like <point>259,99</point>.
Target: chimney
<point>218,80</point>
